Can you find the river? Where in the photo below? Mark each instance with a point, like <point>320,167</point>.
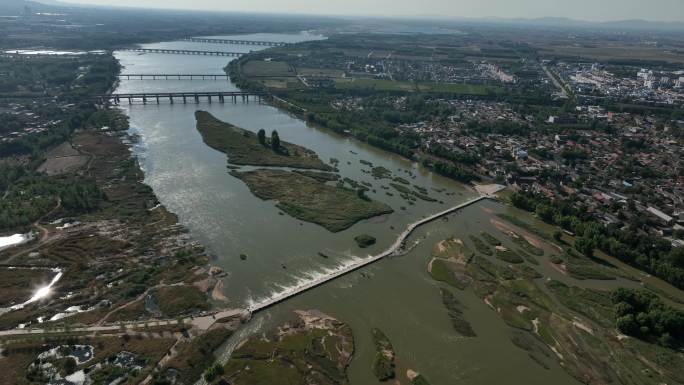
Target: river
<point>396,295</point>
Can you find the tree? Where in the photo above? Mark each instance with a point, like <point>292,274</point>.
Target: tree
<point>585,246</point>
<point>262,136</point>
<point>558,236</point>
<point>70,365</point>
<point>275,141</point>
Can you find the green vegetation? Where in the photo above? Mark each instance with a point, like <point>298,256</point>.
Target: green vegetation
<point>243,147</point>
<point>383,363</point>
<point>556,260</point>
<point>529,258</point>
<point>526,246</point>
<point>480,246</point>
<point>652,254</point>
<point>448,272</point>
<point>492,240</point>
<point>310,200</point>
<point>364,240</point>
<point>196,356</point>
<point>178,300</point>
<point>31,197</point>
<point>263,68</point>
<point>408,194</point>
<point>19,354</point>
<point>594,304</point>
<point>319,176</point>
<point>380,172</point>
<point>642,314</point>
<point>213,372</point>
<point>455,311</point>
<point>509,256</point>
<point>309,353</point>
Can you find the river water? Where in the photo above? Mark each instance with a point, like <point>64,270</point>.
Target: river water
<point>395,295</point>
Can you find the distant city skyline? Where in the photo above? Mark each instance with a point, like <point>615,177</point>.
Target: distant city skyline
<point>589,10</point>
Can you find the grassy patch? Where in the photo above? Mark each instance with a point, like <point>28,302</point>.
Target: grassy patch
<point>480,246</point>
<point>196,356</point>
<point>261,68</point>
<point>317,354</point>
<point>455,311</point>
<point>364,241</point>
<point>522,224</point>
<point>178,300</point>
<point>492,240</point>
<point>243,147</point>
<point>310,200</point>
<point>525,245</point>
<point>594,304</point>
<point>374,84</point>
<point>509,256</point>
<point>449,272</point>
<point>383,363</point>
<point>319,176</point>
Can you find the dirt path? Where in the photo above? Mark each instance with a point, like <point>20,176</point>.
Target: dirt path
<point>131,302</point>
<point>44,237</point>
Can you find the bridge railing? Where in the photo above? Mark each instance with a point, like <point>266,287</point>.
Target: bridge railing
<point>357,265</point>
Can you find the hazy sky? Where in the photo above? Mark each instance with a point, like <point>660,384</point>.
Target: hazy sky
<point>596,10</point>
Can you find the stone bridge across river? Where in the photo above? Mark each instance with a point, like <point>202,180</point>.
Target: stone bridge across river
<point>396,246</point>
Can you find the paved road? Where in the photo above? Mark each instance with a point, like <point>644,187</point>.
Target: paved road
<point>555,81</point>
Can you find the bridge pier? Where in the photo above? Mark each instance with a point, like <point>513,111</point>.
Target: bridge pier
<point>196,99</point>
<point>144,100</point>
<point>184,100</point>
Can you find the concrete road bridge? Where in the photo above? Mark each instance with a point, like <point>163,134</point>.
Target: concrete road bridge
<point>182,97</point>
<point>234,41</point>
<point>173,76</point>
<point>184,52</point>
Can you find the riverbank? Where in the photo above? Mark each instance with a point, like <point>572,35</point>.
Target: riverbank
<point>129,241</point>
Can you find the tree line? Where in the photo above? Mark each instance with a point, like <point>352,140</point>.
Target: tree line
<point>646,252</point>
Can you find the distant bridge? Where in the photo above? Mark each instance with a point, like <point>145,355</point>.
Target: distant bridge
<point>220,96</point>
<point>393,249</point>
<point>173,76</point>
<point>183,52</point>
<point>233,41</point>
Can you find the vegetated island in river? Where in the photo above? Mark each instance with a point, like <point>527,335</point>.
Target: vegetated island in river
<point>243,147</point>
<point>301,194</point>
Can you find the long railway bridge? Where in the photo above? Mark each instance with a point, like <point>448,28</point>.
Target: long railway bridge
<point>183,52</point>
<point>184,97</point>
<point>233,41</point>
<point>173,76</point>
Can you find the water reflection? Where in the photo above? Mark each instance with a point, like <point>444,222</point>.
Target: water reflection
<point>42,292</point>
